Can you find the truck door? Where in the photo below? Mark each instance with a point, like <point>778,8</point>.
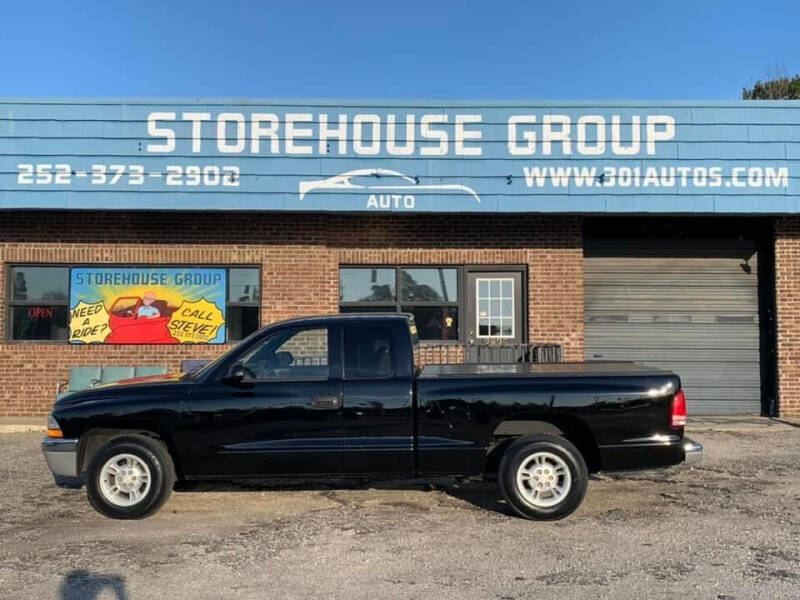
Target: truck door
<point>284,418</point>
<point>377,401</point>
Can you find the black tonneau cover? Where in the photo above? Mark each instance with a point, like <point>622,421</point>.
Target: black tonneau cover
<point>570,369</point>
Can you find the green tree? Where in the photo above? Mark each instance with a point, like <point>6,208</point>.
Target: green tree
<point>777,86</point>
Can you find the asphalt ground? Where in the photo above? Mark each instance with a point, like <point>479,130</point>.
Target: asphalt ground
<point>727,529</point>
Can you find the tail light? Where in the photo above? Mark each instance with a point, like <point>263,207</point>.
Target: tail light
<point>677,413</point>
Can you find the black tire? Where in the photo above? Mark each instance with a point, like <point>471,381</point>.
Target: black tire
<point>521,451</point>
<point>154,455</point>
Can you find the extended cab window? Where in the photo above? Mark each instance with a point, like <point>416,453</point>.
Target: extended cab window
<point>367,352</point>
<point>289,354</point>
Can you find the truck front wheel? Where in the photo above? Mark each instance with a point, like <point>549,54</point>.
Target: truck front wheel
<point>543,477</point>
<point>130,477</point>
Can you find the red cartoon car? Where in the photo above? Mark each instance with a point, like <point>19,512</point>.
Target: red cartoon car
<point>130,325</point>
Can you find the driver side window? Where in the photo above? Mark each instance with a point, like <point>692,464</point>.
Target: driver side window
<point>289,354</point>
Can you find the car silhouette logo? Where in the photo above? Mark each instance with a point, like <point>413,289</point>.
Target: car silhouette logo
<point>396,182</point>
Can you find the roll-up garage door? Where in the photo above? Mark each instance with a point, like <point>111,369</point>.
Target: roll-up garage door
<point>685,304</point>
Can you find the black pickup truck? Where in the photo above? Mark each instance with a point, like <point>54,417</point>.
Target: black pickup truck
<point>339,396</point>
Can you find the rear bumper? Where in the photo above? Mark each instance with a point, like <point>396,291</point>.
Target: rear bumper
<point>648,453</point>
<point>692,452</point>
<point>61,456</point>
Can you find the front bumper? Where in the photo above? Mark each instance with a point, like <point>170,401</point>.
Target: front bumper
<point>62,459</point>
<point>692,452</point>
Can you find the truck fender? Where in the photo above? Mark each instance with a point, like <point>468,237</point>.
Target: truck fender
<point>94,439</point>
<point>507,431</point>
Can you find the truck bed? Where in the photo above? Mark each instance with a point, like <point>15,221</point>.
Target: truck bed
<point>567,369</point>
<point>620,409</point>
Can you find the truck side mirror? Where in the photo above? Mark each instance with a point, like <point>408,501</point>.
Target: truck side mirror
<point>235,373</point>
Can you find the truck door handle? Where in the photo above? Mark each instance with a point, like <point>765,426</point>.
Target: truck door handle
<point>325,402</point>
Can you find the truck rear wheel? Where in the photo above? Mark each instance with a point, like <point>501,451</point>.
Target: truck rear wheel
<point>543,477</point>
<point>130,477</point>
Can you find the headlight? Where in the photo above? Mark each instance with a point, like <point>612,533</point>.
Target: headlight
<point>53,428</point>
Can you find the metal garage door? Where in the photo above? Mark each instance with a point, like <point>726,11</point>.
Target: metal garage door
<point>686,304</point>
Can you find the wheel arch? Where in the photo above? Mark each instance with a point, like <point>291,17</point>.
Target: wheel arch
<point>568,427</point>
<point>94,439</point>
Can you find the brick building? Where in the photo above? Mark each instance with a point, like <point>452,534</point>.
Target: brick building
<point>152,232</point>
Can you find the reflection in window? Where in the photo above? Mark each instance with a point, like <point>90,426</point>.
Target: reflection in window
<point>244,286</point>
<point>429,293</point>
<point>366,285</point>
<point>39,283</point>
<point>435,322</point>
<point>430,285</point>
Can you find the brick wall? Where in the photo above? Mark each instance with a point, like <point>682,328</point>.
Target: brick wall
<point>299,256</point>
<point>787,292</point>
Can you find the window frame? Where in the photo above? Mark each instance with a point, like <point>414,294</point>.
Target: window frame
<point>398,303</point>
<point>392,356</point>
<point>478,299</point>
<point>228,304</point>
<point>463,271</point>
<point>296,330</point>
<point>9,302</point>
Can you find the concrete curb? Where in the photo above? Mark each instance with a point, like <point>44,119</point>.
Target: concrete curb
<point>20,427</point>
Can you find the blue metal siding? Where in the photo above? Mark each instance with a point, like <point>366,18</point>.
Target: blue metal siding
<point>728,137</point>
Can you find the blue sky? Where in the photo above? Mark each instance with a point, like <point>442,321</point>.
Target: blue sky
<point>494,49</point>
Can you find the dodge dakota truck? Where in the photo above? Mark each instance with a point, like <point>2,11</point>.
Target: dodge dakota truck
<point>340,396</point>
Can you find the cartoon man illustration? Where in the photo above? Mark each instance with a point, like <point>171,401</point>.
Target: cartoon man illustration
<point>147,310</point>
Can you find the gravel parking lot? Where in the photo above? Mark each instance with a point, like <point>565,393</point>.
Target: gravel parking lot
<point>729,529</point>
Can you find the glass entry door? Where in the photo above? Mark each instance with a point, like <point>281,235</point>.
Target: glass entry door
<point>495,307</point>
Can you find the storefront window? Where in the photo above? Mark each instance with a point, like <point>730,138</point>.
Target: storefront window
<point>38,303</point>
<point>429,285</point>
<point>244,302</point>
<point>435,322</point>
<point>40,322</point>
<point>132,305</point>
<point>429,293</point>
<point>367,285</point>
<point>39,284</point>
<point>244,286</point>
